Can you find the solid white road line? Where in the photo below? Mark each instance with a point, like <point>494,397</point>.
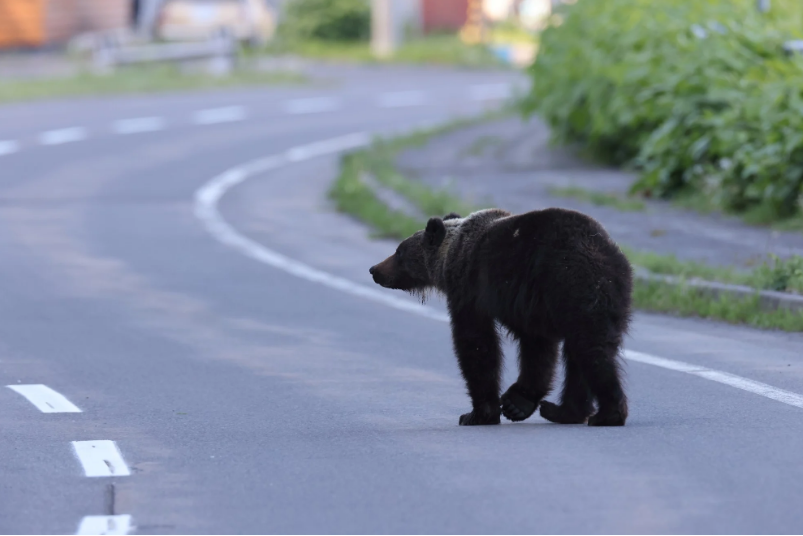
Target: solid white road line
<point>45,399</point>
<point>401,99</point>
<point>311,106</point>
<point>138,124</point>
<point>486,92</point>
<point>100,458</point>
<point>63,135</point>
<point>8,147</point>
<point>214,116</point>
<point>105,525</point>
<point>207,198</point>
<point>780,395</point>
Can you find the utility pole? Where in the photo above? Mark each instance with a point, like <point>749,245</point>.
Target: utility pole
<point>383,28</point>
<point>148,11</point>
<point>474,30</point>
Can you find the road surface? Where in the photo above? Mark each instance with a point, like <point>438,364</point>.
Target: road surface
<point>193,345</point>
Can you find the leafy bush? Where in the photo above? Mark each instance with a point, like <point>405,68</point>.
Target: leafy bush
<point>327,20</point>
<point>781,274</point>
<point>698,95</point>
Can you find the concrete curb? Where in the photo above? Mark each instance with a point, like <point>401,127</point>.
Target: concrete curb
<point>769,300</point>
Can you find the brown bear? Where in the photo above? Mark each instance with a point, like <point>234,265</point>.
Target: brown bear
<point>547,276</point>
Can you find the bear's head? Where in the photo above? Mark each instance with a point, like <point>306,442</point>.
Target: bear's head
<point>410,268</point>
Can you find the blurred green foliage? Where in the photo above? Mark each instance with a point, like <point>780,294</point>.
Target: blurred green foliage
<point>698,95</point>
<point>433,49</point>
<point>326,20</point>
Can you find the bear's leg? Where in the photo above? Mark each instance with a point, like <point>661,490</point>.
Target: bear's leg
<point>597,357</point>
<point>476,344</point>
<point>576,403</point>
<point>537,357</point>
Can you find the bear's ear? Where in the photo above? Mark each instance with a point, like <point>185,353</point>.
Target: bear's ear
<point>435,232</point>
<point>452,216</point>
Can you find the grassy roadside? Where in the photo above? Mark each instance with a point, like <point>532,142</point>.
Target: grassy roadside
<point>599,199</point>
<point>354,196</point>
<point>428,50</point>
<point>139,79</point>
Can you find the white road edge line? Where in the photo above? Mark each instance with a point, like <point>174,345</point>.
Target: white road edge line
<point>137,125</point>
<point>100,458</point>
<point>752,386</point>
<point>105,525</point>
<point>45,399</point>
<point>8,147</point>
<point>208,196</point>
<point>212,116</point>
<point>62,135</point>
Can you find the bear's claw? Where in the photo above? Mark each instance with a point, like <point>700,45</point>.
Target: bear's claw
<point>515,406</point>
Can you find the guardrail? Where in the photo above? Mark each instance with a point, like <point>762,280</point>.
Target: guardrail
<point>110,52</point>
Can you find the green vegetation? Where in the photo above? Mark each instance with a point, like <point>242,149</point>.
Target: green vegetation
<point>684,300</point>
<point>671,265</point>
<point>599,198</point>
<point>144,79</point>
<point>340,30</point>
<point>779,274</point>
<point>353,196</point>
<point>444,49</point>
<point>699,96</point>
<point>326,20</point>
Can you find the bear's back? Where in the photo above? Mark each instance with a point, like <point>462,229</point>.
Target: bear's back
<point>551,267</point>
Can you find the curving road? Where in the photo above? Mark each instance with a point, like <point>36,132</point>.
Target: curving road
<point>193,345</point>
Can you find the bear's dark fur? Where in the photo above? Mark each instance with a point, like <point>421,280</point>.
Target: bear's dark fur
<point>547,276</point>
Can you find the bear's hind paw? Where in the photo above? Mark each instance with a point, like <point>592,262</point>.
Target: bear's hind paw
<point>561,414</point>
<point>614,418</point>
<point>476,418</point>
<point>515,406</point>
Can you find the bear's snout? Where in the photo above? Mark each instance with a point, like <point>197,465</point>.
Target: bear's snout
<point>379,277</point>
<point>382,272</point>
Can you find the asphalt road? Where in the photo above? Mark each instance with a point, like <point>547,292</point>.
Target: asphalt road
<point>237,378</point>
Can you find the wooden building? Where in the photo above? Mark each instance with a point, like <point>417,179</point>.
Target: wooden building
<point>36,23</point>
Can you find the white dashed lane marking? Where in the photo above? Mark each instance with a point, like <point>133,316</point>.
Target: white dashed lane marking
<point>8,147</point>
<point>105,525</point>
<point>401,99</point>
<point>100,458</point>
<point>311,106</point>
<point>212,116</point>
<point>137,125</point>
<point>207,198</point>
<point>63,135</point>
<point>234,113</point>
<point>45,399</point>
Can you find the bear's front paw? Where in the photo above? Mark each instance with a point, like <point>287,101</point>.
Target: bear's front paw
<point>479,417</point>
<point>516,406</point>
